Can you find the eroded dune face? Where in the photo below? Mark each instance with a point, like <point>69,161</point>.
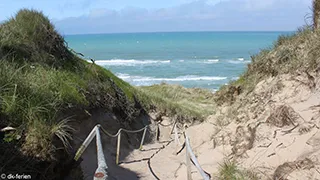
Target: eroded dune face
<point>275,131</point>
<point>272,133</point>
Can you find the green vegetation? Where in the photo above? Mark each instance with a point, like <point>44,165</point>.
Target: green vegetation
<point>30,37</point>
<point>43,84</point>
<point>33,95</point>
<point>230,171</point>
<point>173,100</point>
<point>296,53</point>
<point>44,87</point>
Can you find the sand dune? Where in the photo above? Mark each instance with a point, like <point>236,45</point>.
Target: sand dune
<point>275,133</point>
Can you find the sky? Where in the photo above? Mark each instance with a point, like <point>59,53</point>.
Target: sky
<point>121,16</point>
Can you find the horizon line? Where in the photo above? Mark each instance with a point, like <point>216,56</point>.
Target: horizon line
<point>142,32</point>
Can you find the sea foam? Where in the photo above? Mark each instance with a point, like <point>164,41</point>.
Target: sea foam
<point>129,62</point>
<point>127,77</point>
<point>211,61</point>
<point>239,61</point>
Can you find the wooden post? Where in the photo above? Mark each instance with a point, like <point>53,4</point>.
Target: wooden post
<point>157,133</point>
<point>101,171</point>
<point>86,143</point>
<point>176,139</point>
<point>174,125</point>
<point>143,136</point>
<point>188,164</point>
<point>118,148</point>
<point>194,159</point>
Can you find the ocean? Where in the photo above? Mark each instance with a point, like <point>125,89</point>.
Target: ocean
<point>191,59</point>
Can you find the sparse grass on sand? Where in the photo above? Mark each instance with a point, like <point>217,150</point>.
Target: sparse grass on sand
<point>191,104</point>
<point>230,171</point>
<point>295,53</point>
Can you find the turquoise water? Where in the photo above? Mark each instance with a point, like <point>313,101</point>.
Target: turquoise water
<point>192,59</point>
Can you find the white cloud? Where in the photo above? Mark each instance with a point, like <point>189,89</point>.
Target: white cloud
<point>214,2</point>
<point>194,16</point>
<point>259,4</point>
<point>94,13</point>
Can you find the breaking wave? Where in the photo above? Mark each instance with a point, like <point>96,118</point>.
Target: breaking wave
<point>129,62</point>
<point>129,78</point>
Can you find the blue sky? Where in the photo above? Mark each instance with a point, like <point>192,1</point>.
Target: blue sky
<point>109,16</point>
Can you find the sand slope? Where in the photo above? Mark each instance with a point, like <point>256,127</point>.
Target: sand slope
<point>273,131</point>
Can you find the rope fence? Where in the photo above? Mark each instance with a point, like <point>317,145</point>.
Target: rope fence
<point>190,155</point>
<point>101,172</point>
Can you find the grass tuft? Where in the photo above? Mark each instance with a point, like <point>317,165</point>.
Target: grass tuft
<point>63,131</point>
<point>230,171</point>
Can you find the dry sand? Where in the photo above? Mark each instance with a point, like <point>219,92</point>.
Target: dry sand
<point>274,132</point>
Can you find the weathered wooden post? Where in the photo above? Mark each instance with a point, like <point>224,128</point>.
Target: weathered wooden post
<point>174,125</point>
<point>118,147</point>
<point>188,162</point>
<point>157,132</point>
<point>176,138</point>
<point>143,136</point>
<point>85,144</point>
<point>194,159</point>
<point>101,172</point>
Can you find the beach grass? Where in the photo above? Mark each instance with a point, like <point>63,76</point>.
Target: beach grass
<point>43,87</point>
<point>230,171</point>
<point>188,104</point>
<point>295,53</point>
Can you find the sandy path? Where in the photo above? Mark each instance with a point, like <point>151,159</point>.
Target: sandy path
<point>275,134</point>
<point>160,161</point>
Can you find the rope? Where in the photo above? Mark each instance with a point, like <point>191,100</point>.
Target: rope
<point>204,174</point>
<point>109,134</point>
<point>168,125</point>
<point>121,129</point>
<point>208,174</point>
<point>134,131</point>
<point>186,144</point>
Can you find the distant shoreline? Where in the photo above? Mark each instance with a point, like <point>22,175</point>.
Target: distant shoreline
<point>157,32</point>
<point>191,59</point>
